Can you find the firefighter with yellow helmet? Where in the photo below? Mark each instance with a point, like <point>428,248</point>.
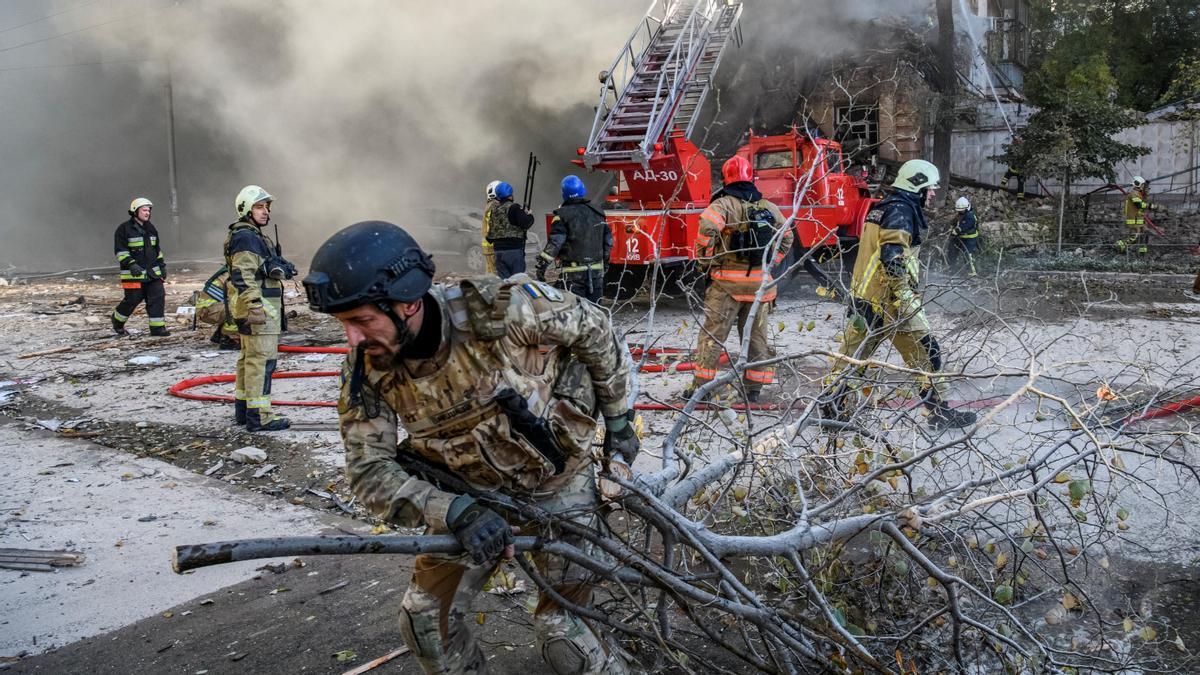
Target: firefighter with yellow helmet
<point>256,275</point>
<point>884,303</point>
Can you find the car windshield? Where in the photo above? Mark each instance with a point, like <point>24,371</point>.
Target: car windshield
<point>773,159</point>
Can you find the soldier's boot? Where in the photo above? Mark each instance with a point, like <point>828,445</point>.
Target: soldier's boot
<point>239,412</point>
<point>118,326</point>
<point>255,421</point>
<point>159,331</point>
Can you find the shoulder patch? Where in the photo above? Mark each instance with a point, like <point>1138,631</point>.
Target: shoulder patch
<point>538,290</point>
<point>875,215</point>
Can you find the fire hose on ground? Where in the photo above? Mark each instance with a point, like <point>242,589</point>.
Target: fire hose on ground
<point>182,389</point>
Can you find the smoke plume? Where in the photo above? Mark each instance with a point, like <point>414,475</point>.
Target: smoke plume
<point>343,109</point>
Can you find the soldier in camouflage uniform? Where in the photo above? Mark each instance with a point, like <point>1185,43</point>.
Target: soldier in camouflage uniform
<point>735,231</point>
<point>256,275</point>
<point>498,382</point>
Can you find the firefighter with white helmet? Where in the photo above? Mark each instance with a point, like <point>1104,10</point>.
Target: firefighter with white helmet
<point>257,271</point>
<point>1136,206</point>
<point>143,269</point>
<point>964,236</point>
<point>884,303</point>
<point>489,255</point>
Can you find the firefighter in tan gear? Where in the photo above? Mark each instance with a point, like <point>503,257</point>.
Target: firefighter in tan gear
<point>489,253</point>
<point>256,275</point>
<point>212,309</point>
<point>736,244</point>
<point>499,382</point>
<point>883,295</point>
<point>1136,206</point>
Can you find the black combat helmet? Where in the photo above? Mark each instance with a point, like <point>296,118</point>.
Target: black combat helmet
<point>368,262</point>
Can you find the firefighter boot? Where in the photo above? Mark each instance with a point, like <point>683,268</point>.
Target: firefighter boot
<point>255,422</point>
<point>753,395</point>
<point>118,326</point>
<point>159,331</point>
<point>239,412</point>
<point>942,416</point>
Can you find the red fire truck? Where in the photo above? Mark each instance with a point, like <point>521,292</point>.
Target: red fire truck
<point>650,99</point>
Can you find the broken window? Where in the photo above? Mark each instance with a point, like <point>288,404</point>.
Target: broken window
<point>856,127</point>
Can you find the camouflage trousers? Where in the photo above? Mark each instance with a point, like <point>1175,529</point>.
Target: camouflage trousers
<point>434,613</point>
<point>721,310</point>
<point>908,333</point>
<point>255,365</point>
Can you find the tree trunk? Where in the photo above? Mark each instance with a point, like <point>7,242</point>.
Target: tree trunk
<point>943,129</point>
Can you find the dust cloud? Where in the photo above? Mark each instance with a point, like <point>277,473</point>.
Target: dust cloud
<point>344,109</point>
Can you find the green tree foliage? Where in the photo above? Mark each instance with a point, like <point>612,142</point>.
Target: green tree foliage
<point>1076,84</point>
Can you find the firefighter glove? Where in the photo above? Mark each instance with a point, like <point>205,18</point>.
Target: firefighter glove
<point>257,316</point>
<point>481,531</point>
<point>620,438</point>
<point>136,270</point>
<point>542,266</point>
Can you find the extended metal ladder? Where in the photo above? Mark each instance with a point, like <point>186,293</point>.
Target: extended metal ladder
<point>660,79</point>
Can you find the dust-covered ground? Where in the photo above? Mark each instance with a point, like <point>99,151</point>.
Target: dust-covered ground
<point>103,460</point>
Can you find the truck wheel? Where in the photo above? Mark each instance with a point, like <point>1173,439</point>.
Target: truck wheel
<point>621,282</point>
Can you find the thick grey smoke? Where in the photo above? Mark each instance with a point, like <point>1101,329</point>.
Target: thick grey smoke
<point>345,109</point>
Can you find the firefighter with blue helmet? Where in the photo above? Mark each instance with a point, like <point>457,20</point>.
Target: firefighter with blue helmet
<point>884,303</point>
<point>580,240</point>
<point>505,224</point>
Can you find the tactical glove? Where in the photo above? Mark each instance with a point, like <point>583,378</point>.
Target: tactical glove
<point>257,316</point>
<point>620,439</point>
<point>542,266</point>
<point>136,270</point>
<point>481,531</point>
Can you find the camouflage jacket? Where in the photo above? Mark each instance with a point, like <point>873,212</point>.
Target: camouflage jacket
<point>554,350</point>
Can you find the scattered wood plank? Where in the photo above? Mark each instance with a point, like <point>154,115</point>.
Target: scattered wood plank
<point>36,560</point>
<point>265,470</point>
<point>372,665</point>
<point>214,468</point>
<point>47,352</point>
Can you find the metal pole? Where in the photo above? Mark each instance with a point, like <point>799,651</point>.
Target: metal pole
<point>1062,211</point>
<point>172,177</point>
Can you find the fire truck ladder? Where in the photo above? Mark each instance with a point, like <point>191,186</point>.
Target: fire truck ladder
<point>660,79</point>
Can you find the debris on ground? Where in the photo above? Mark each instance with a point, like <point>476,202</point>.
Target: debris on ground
<point>35,560</point>
<point>249,455</point>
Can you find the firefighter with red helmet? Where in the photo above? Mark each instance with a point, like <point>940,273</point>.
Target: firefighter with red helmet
<point>741,236</point>
<point>143,269</point>
<point>580,239</point>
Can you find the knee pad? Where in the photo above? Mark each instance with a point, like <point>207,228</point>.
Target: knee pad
<point>934,350</point>
<point>564,657</point>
